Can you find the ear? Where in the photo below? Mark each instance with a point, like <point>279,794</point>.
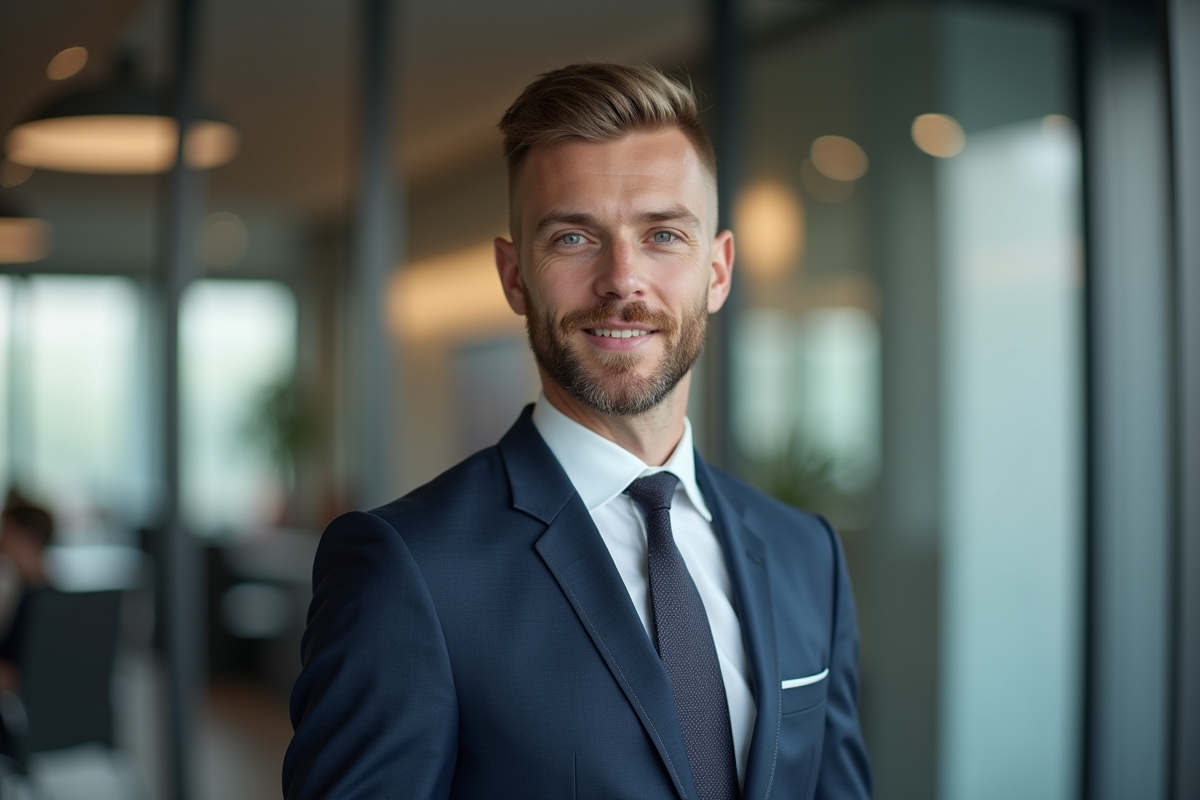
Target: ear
<point>508,264</point>
<point>721,271</point>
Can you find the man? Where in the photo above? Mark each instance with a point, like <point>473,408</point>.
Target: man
<point>25,532</point>
<point>587,610</point>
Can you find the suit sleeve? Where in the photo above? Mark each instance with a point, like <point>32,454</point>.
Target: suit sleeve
<point>844,773</point>
<point>374,709</point>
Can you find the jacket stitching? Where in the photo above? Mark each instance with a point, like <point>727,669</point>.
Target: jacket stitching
<point>778,724</point>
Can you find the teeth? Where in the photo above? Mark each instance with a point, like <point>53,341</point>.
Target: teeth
<point>618,334</point>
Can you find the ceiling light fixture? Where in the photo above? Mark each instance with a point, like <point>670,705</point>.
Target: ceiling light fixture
<point>769,218</point>
<point>839,158</point>
<point>67,63</point>
<point>22,238</point>
<point>118,128</point>
<point>823,187</point>
<point>13,174</point>
<point>938,135</point>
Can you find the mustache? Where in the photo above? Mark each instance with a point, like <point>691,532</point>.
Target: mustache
<point>636,313</point>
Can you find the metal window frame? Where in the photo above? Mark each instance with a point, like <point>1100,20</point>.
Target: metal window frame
<point>1181,36</point>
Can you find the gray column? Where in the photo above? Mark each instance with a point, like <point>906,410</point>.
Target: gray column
<point>178,556</point>
<point>726,49</point>
<point>1184,44</point>
<point>1128,213</point>
<point>377,231</point>
<point>18,420</point>
<point>899,599</point>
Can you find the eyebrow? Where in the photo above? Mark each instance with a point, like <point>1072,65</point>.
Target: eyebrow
<point>678,214</point>
<point>674,214</point>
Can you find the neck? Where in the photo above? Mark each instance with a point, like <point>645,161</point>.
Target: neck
<point>651,436</point>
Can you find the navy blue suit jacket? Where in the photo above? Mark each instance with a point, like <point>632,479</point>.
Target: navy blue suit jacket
<point>474,640</point>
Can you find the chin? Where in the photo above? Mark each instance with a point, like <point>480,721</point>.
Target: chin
<point>622,390</point>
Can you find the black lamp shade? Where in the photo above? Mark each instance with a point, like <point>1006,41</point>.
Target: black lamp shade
<point>121,127</point>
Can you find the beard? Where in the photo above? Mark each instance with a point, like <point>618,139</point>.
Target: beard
<point>613,385</point>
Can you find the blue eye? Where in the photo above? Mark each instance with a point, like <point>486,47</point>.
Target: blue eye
<point>571,238</point>
<point>664,237</point>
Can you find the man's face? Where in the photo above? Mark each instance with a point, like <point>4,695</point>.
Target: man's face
<point>616,266</point>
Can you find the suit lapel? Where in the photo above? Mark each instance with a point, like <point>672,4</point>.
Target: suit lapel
<point>746,561</point>
<point>576,556</point>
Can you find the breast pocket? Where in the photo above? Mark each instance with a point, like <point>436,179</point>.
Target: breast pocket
<point>802,693</point>
<point>801,733</point>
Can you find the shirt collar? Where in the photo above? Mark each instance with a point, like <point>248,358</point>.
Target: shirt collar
<point>600,469</point>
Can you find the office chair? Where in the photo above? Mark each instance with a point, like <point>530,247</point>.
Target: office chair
<point>66,661</point>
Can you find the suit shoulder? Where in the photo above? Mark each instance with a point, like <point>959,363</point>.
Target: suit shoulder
<point>480,473</point>
<point>468,497</point>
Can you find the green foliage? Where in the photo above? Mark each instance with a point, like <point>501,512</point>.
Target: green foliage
<point>282,425</point>
<point>798,475</point>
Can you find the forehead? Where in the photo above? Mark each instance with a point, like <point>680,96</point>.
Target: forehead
<point>644,168</point>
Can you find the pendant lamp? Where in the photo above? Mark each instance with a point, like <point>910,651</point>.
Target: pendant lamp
<point>22,238</point>
<point>118,128</point>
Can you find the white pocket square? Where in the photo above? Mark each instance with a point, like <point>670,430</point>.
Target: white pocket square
<point>797,682</point>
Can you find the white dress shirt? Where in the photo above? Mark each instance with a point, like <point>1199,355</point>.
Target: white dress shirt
<point>601,470</point>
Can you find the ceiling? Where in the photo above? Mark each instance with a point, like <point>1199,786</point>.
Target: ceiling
<point>284,72</point>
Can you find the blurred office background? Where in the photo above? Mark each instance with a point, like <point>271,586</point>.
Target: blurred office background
<point>966,327</point>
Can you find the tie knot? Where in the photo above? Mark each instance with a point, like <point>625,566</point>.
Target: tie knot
<point>653,492</point>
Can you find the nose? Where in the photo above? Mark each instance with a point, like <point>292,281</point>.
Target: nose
<point>620,273</point>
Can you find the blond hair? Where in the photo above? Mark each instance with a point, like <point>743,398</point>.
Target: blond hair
<point>599,103</point>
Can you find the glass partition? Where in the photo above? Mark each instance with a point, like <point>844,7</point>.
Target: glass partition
<point>909,361</point>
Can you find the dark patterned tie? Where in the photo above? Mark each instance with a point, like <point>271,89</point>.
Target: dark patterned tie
<point>685,645</point>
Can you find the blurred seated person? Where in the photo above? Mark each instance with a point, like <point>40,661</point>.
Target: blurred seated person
<point>25,530</point>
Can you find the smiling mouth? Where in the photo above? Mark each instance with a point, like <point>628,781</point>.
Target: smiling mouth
<point>614,333</point>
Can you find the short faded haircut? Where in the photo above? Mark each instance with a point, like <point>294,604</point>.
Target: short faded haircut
<point>599,103</point>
